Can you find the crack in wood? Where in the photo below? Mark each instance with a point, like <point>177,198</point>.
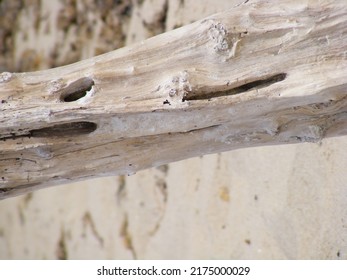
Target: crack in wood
<point>59,130</point>
<point>65,130</point>
<point>257,84</point>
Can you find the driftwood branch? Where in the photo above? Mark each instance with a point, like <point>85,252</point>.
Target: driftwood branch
<point>259,74</point>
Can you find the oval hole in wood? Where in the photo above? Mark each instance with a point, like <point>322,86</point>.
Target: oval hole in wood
<point>76,90</point>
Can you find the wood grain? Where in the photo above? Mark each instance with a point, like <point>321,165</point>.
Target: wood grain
<point>258,74</point>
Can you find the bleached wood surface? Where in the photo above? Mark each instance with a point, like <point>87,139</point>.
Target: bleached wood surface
<point>255,75</point>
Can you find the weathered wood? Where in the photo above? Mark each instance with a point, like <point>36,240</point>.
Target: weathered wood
<point>259,74</point>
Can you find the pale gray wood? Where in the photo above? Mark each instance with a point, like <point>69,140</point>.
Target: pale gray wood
<point>259,74</point>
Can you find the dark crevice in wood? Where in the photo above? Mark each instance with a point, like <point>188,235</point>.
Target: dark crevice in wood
<point>59,130</point>
<point>66,129</point>
<point>200,129</point>
<point>262,83</point>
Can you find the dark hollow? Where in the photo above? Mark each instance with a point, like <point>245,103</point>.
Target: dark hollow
<point>238,90</point>
<point>66,129</point>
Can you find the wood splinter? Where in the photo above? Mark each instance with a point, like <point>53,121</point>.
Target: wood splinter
<point>258,74</point>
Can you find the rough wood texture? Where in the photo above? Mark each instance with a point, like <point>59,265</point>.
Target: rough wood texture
<point>255,75</point>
